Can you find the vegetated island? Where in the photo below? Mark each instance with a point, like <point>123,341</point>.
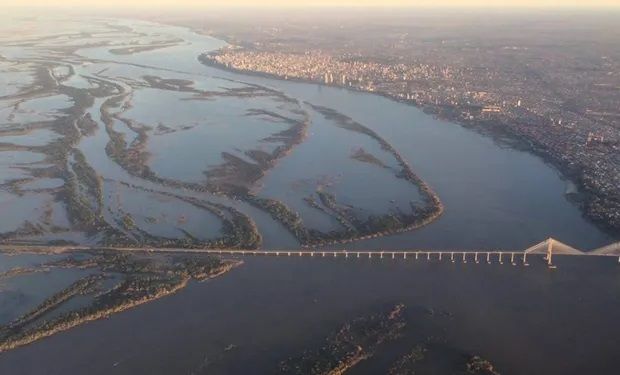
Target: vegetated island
<point>385,333</point>
<point>119,281</point>
<point>235,177</point>
<point>356,227</point>
<point>82,194</point>
<point>537,110</point>
<point>356,341</point>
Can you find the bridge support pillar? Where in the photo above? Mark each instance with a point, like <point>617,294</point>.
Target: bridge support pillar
<point>525,259</point>
<point>358,255</point>
<point>393,255</point>
<point>440,255</point>
<point>369,255</point>
<point>312,254</point>
<point>512,259</point>
<point>404,255</point>
<point>489,258</point>
<point>476,258</point>
<point>500,258</point>
<point>289,253</point>
<point>464,257</point>
<point>452,257</point>
<point>277,253</point>
<point>346,254</point>
<point>417,254</point>
<point>428,255</point>
<point>549,252</point>
<point>381,257</point>
<point>323,254</point>
<point>301,254</point>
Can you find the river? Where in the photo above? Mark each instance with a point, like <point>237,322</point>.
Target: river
<point>525,320</point>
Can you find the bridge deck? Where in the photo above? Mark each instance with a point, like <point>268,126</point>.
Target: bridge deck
<point>500,256</point>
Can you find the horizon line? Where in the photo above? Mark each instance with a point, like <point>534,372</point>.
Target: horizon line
<point>308,6</point>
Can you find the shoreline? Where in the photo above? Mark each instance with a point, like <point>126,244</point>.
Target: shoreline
<point>501,136</point>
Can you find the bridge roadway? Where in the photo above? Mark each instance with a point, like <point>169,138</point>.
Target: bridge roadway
<point>501,257</point>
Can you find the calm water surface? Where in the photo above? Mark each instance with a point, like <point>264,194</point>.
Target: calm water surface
<point>526,320</point>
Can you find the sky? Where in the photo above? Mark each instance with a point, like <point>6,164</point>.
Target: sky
<point>301,3</point>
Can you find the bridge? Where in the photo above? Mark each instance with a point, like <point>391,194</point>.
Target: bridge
<point>548,249</point>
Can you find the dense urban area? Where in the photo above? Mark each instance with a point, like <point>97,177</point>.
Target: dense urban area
<point>547,84</point>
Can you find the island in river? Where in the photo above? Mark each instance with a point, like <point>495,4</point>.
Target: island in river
<point>121,136</point>
<point>483,70</point>
<point>115,282</point>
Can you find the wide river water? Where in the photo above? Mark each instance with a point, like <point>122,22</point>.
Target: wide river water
<point>525,320</point>
<point>495,196</point>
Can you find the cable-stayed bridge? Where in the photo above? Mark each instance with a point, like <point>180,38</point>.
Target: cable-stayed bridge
<point>548,249</point>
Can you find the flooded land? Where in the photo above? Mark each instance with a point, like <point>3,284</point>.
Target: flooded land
<point>119,135</point>
<point>104,283</point>
<point>114,134</point>
<point>285,315</point>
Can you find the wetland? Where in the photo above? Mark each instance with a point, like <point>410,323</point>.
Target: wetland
<point>114,133</point>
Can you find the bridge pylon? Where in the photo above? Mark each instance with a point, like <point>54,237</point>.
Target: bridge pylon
<point>549,256</point>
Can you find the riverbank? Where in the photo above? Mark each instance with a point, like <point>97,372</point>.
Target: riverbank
<point>119,282</point>
<point>585,198</point>
<point>300,304</point>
